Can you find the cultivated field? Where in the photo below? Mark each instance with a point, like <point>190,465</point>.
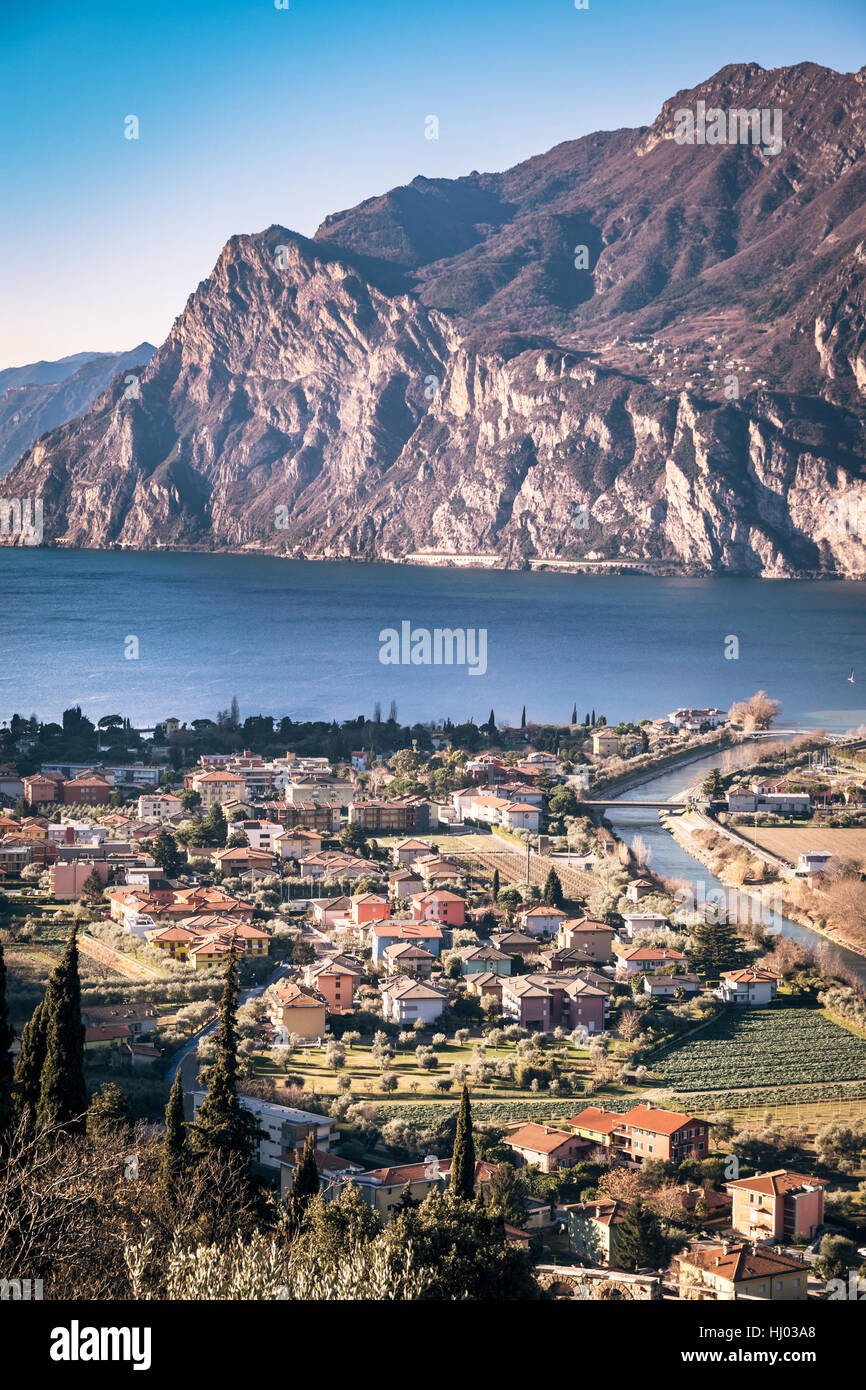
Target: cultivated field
<point>765,1048</point>
<point>787,844</point>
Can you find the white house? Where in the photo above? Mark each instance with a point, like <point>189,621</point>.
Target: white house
<point>158,807</point>
<point>750,988</point>
<point>263,834</point>
<point>541,920</point>
<point>405,1000</point>
<point>519,815</point>
<point>666,986</point>
<point>813,862</point>
<point>641,921</point>
<point>282,1127</point>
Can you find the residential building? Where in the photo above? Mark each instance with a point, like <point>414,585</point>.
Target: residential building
<point>750,988</point>
<point>217,788</point>
<point>546,1147</point>
<point>405,958</point>
<point>587,934</point>
<point>334,1172</point>
<point>733,1271</point>
<point>138,1019</point>
<point>388,933</point>
<point>475,959</point>
<point>485,982</point>
<point>406,850</point>
<point>241,860</point>
<point>646,1131</point>
<point>641,921</point>
<point>777,1206</point>
<point>86,789</point>
<point>667,986</point>
<point>66,879</point>
<point>541,920</point>
<point>598,1126</point>
<point>604,1220</point>
<point>543,1001</point>
<point>336,979</point>
<point>369,907</point>
<point>404,883</point>
<point>397,816</point>
<point>382,1188</point>
<point>439,905</point>
<point>606,743</point>
<point>519,815</point>
<point>155,806</point>
<point>631,960</point>
<point>282,1128</point>
<point>406,1000</point>
<point>41,790</point>
<point>296,1009</point>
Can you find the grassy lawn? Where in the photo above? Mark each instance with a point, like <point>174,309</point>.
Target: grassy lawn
<point>365,1072</point>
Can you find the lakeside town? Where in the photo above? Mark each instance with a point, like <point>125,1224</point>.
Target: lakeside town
<point>377,969</point>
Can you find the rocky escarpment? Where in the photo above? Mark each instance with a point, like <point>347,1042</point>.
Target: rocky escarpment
<point>626,349</point>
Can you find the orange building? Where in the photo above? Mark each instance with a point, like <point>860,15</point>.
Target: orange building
<point>778,1205</point>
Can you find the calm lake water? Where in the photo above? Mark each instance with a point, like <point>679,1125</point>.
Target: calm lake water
<point>302,638</point>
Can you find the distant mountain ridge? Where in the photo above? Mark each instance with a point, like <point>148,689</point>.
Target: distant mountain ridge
<point>37,398</point>
<point>627,348</point>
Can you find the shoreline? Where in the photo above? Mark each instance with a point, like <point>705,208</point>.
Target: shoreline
<point>795,914</point>
<point>533,564</point>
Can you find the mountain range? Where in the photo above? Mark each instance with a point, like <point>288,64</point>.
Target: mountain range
<point>36,398</point>
<point>629,348</point>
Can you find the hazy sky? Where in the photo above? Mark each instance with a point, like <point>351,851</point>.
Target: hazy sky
<point>251,114</point>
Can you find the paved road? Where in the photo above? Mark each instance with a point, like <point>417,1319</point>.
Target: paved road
<point>186,1057</point>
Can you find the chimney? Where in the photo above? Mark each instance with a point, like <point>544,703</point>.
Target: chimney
<point>649,1105</point>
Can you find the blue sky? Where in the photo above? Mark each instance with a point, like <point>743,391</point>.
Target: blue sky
<point>251,115</point>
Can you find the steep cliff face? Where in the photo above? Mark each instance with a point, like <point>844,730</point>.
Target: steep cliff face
<point>627,348</point>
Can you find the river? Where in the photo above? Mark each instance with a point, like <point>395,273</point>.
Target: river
<point>672,861</point>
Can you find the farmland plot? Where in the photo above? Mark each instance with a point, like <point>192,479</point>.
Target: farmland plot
<point>764,1047</point>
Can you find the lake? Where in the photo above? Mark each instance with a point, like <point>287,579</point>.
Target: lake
<point>302,638</point>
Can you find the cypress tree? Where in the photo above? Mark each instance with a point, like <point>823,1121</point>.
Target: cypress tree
<point>62,1090</point>
<point>586,720</point>
<point>495,884</point>
<point>553,895</point>
<point>523,718</point>
<point>306,1184</point>
<point>174,1145</point>
<point>7,1035</point>
<point>222,1123</point>
<point>463,1161</point>
<point>574,713</point>
<point>593,720</point>
<point>28,1068</point>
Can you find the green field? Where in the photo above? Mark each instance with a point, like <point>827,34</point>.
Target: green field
<point>764,1048</point>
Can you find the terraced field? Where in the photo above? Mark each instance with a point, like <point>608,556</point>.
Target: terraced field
<point>764,1048</point>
